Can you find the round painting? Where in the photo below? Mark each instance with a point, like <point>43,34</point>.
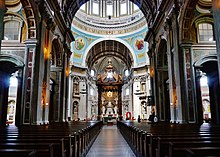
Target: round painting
<point>139,44</point>
<point>79,43</point>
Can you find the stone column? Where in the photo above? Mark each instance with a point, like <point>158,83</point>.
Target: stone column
<point>31,83</point>
<point>216,16</point>
<point>70,93</point>
<point>68,55</point>
<point>63,89</point>
<point>46,80</point>
<point>189,76</point>
<point>19,100</point>
<point>57,90</point>
<point>99,102</point>
<point>153,82</point>
<point>4,87</point>
<point>178,99</point>
<point>120,102</point>
<point>2,13</point>
<point>172,82</point>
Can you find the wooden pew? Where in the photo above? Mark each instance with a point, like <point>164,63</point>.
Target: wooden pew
<point>163,142</point>
<point>145,139</point>
<point>199,148</point>
<point>197,152</point>
<point>24,153</point>
<point>71,145</point>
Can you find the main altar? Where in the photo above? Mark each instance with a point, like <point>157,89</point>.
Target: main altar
<point>109,95</point>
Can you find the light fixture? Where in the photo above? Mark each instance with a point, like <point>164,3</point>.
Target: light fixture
<point>46,53</point>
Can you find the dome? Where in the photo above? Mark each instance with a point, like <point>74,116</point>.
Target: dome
<point>109,17</point>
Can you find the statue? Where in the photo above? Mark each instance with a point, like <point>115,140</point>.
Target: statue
<point>109,108</point>
<point>115,110</point>
<point>103,109</point>
<point>109,104</point>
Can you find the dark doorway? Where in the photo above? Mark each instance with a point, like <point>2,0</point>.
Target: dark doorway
<point>162,78</point>
<point>10,93</point>
<point>208,91</point>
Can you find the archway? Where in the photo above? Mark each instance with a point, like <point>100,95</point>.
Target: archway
<point>56,80</point>
<point>163,105</point>
<point>109,58</point>
<point>10,94</point>
<point>109,48</point>
<point>208,112</point>
<point>105,40</point>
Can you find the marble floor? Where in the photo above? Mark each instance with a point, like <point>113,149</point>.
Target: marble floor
<point>110,143</point>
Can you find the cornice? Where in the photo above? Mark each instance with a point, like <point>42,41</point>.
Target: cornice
<point>159,19</point>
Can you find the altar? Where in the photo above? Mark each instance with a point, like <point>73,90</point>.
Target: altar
<point>110,120</point>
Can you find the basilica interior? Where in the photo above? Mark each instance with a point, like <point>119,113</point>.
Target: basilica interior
<point>109,61</point>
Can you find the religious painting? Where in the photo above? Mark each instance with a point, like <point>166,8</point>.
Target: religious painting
<point>79,43</point>
<point>139,44</point>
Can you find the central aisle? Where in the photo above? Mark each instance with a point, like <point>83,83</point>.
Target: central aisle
<point>110,143</point>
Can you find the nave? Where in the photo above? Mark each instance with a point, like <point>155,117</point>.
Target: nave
<point>110,143</point>
<point>68,67</point>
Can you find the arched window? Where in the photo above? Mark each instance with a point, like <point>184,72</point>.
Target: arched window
<point>95,8</point>
<point>83,7</point>
<point>205,32</point>
<point>12,30</point>
<point>135,7</point>
<point>109,11</point>
<point>123,8</point>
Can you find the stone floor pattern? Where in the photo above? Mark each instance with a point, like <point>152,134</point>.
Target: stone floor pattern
<point>110,143</point>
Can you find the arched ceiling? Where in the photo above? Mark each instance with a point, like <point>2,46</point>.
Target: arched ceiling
<point>118,65</point>
<point>148,7</point>
<point>109,48</point>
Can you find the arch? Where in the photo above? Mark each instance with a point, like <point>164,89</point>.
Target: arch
<point>161,52</point>
<point>204,60</point>
<point>56,58</point>
<point>105,39</point>
<point>188,17</point>
<point>30,11</point>
<point>14,16</point>
<point>109,48</point>
<point>13,59</point>
<point>9,65</point>
<point>8,17</point>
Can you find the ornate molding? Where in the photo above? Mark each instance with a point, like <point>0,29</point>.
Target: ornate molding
<point>28,6</point>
